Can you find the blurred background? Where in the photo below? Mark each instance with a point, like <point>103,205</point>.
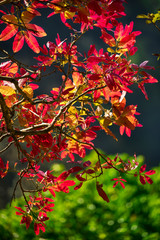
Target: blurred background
<point>144,141</point>
<point>133,213</point>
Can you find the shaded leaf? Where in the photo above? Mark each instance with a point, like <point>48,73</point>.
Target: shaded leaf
<point>142,179</point>
<point>101,192</point>
<point>143,168</point>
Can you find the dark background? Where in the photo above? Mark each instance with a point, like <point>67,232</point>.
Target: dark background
<point>145,140</point>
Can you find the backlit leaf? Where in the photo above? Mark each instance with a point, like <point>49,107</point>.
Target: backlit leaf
<point>10,19</point>
<point>27,16</point>
<point>29,91</point>
<point>32,42</point>
<point>7,91</point>
<point>18,42</point>
<point>36,30</point>
<point>8,32</point>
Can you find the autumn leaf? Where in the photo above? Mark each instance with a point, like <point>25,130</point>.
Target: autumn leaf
<point>32,42</point>
<point>7,91</point>
<point>18,42</point>
<point>8,32</point>
<point>101,192</point>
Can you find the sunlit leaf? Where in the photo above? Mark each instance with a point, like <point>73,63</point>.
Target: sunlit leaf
<point>8,32</point>
<point>29,91</point>
<point>18,42</point>
<point>36,30</point>
<point>7,91</point>
<point>32,42</point>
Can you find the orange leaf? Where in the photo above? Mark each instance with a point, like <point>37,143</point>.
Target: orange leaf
<point>37,31</point>
<point>9,19</point>
<point>27,16</point>
<point>13,68</point>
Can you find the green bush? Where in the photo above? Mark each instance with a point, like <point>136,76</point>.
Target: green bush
<point>133,213</point>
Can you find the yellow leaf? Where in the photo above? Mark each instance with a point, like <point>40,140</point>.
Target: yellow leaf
<point>73,110</point>
<point>111,50</point>
<point>7,91</point>
<point>68,14</point>
<point>142,16</point>
<point>28,91</point>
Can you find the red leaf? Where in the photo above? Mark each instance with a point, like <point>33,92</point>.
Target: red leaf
<point>142,179</point>
<point>2,164</point>
<point>33,86</point>
<point>80,178</point>
<point>151,172</point>
<point>8,32</point>
<point>78,186</point>
<point>93,5</point>
<point>122,184</point>
<point>51,191</point>
<point>86,164</point>
<point>36,30</point>
<point>69,183</point>
<point>42,227</point>
<point>91,50</point>
<point>101,192</point>
<point>36,228</point>
<point>141,86</point>
<point>121,129</point>
<point>18,42</point>
<point>150,80</point>
<point>95,76</point>
<point>20,209</point>
<point>75,169</point>
<point>32,42</point>
<point>90,171</point>
<point>142,169</point>
<point>115,184</point>
<point>107,38</point>
<point>63,176</point>
<point>148,179</point>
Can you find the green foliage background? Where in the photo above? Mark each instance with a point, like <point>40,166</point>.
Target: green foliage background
<point>133,212</point>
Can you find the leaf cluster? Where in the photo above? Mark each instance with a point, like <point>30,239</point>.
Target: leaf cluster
<point>90,96</point>
<point>83,214</point>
